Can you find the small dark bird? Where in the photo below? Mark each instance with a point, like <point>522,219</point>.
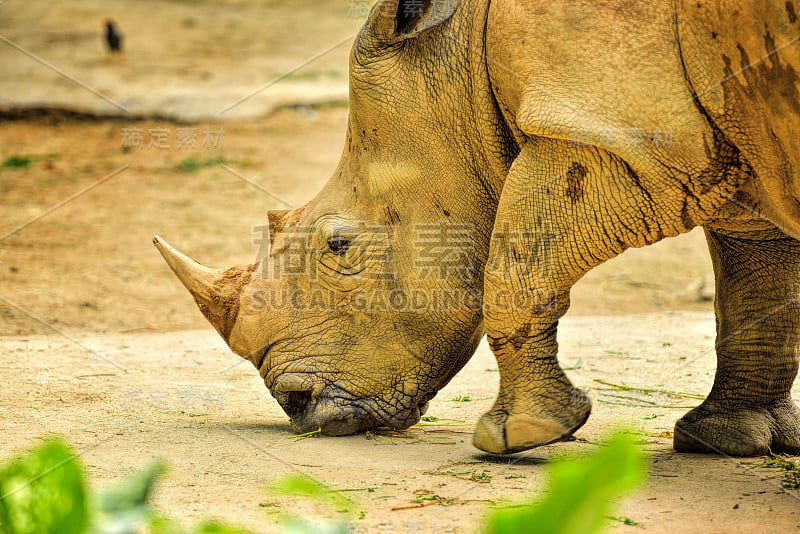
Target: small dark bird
<point>113,38</point>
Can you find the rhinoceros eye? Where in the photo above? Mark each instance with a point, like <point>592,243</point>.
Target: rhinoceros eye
<point>338,244</point>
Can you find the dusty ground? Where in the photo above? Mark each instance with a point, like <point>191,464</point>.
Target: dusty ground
<point>101,344</point>
<point>183,397</point>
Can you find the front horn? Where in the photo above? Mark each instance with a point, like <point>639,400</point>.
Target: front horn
<point>216,291</point>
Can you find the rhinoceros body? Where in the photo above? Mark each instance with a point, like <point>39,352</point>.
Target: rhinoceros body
<point>496,152</point>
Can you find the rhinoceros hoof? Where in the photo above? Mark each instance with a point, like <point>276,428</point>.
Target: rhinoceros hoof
<point>739,432</point>
<point>500,434</point>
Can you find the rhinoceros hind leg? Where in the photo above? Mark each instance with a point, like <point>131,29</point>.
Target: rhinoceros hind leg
<point>749,410</point>
<point>742,432</point>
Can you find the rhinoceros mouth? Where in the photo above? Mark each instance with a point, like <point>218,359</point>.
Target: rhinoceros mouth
<point>334,412</point>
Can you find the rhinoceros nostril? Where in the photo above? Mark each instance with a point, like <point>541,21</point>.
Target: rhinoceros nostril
<point>296,402</point>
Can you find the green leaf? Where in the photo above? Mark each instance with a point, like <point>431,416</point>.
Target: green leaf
<point>297,485</point>
<point>43,491</point>
<point>294,526</point>
<point>163,525</point>
<point>214,527</point>
<point>160,524</point>
<point>124,509</point>
<point>582,492</point>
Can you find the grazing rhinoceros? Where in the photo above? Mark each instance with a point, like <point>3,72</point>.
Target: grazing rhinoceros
<point>496,152</point>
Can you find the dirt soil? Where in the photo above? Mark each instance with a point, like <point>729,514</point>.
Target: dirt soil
<point>101,344</point>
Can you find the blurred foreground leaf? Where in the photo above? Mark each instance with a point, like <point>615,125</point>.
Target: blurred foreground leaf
<point>298,485</point>
<point>165,525</point>
<point>43,491</point>
<point>124,508</point>
<point>583,492</point>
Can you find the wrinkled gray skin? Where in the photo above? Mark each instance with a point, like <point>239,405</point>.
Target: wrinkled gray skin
<point>467,114</point>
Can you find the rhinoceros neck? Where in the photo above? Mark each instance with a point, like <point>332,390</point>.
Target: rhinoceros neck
<point>444,148</point>
<point>487,142</point>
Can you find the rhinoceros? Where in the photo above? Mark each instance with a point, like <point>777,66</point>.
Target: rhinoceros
<point>498,150</point>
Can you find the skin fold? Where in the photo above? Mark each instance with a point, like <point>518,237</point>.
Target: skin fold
<point>496,152</point>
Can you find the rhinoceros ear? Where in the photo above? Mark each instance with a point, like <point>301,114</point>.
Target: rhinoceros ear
<point>401,19</point>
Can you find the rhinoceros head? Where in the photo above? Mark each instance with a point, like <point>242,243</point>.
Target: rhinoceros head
<point>368,300</point>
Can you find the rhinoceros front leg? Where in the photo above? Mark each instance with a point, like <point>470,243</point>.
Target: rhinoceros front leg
<point>537,404</point>
<point>548,232</point>
<point>749,410</point>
